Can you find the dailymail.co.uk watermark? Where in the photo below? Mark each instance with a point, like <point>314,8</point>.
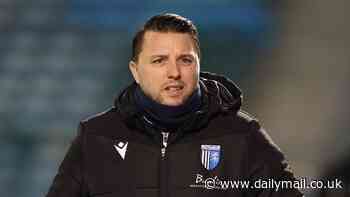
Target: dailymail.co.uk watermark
<point>211,183</point>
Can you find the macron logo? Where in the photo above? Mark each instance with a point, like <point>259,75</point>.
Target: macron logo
<point>121,148</point>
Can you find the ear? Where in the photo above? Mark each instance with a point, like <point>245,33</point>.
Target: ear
<point>134,71</point>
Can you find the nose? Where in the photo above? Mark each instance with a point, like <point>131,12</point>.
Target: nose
<point>173,71</point>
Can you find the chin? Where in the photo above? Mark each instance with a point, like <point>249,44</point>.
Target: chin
<point>172,102</point>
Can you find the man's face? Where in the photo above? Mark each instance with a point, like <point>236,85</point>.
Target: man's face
<point>167,68</point>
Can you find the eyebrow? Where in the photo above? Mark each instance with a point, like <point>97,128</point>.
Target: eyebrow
<point>165,56</point>
<point>187,55</point>
<point>157,56</point>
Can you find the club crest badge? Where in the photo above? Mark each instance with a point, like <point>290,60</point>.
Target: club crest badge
<point>210,156</point>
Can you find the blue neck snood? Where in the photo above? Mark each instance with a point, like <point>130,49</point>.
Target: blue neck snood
<point>168,117</point>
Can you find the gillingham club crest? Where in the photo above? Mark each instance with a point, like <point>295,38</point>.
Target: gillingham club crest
<point>210,156</point>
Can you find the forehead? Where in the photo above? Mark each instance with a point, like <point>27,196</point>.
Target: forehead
<point>162,42</point>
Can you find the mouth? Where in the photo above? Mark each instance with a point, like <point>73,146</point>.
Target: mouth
<point>174,87</point>
<point>174,90</point>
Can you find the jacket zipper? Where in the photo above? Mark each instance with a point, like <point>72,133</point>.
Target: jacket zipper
<point>165,136</point>
<point>163,187</point>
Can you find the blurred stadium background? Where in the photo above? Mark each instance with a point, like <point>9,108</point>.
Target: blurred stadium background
<point>64,60</point>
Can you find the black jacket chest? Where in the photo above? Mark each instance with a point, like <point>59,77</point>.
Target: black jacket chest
<point>143,170</point>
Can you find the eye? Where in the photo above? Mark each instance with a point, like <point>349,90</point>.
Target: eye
<point>187,60</point>
<point>157,61</point>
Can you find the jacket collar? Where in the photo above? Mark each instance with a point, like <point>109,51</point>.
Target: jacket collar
<point>219,95</point>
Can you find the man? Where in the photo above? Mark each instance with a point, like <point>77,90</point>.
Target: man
<point>173,132</point>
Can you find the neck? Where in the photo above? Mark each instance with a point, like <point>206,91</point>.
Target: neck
<point>167,116</point>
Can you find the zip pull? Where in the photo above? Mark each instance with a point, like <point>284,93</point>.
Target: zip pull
<point>164,142</point>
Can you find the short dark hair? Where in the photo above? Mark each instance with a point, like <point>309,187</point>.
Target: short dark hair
<point>167,22</point>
